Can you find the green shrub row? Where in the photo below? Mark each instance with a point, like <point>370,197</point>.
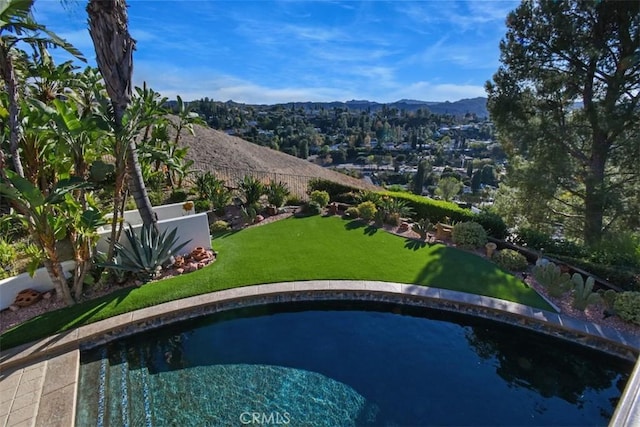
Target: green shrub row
<point>333,188</point>
<point>434,210</point>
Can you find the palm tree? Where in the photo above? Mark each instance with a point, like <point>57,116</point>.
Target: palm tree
<point>108,27</point>
<point>17,25</point>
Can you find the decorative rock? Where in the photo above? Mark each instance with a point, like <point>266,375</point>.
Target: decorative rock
<point>179,270</point>
<point>179,262</point>
<point>403,227</point>
<point>27,297</point>
<point>272,210</point>
<point>259,218</point>
<point>201,265</point>
<point>46,295</point>
<point>13,307</point>
<point>198,254</point>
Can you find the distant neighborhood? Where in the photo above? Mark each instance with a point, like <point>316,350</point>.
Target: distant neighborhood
<point>410,145</point>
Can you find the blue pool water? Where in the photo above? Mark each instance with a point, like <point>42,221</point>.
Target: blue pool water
<point>339,363</point>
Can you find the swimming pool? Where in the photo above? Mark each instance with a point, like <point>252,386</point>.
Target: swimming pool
<point>346,363</point>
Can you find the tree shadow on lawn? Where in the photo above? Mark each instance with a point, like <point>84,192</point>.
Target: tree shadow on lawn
<point>65,319</point>
<point>451,268</point>
<point>414,244</point>
<point>357,224</point>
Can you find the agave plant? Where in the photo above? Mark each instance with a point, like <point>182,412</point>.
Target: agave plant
<point>147,253</point>
<point>422,227</point>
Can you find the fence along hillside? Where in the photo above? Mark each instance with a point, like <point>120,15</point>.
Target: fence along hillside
<point>298,184</point>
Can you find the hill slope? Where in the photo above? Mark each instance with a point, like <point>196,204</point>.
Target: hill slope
<point>232,158</point>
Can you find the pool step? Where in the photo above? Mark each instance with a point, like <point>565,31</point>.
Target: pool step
<point>116,390</point>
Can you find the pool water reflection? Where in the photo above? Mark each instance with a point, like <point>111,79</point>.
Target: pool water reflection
<point>347,363</point>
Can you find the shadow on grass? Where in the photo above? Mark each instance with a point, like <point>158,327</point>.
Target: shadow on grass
<point>223,234</point>
<point>414,244</point>
<point>450,268</point>
<point>357,224</point>
<point>354,225</point>
<point>61,320</point>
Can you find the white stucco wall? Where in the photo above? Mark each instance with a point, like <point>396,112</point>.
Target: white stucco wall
<point>10,287</point>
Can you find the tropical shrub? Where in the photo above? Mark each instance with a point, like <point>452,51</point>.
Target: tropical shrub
<point>8,256</point>
<point>367,210</point>
<point>220,197</point>
<point>204,183</point>
<point>369,196</point>
<point>320,197</point>
<point>352,212</point>
<point>202,206</point>
<point>511,260</point>
<point>218,226</point>
<point>493,224</point>
<point>148,252</point>
<point>583,294</point>
<point>627,306</point>
<point>549,275</point>
<point>277,193</point>
<point>251,189</point>
<point>469,235</point>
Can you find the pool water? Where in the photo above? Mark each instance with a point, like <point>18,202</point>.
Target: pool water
<point>346,363</point>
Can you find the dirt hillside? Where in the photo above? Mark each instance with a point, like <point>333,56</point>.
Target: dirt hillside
<point>216,151</point>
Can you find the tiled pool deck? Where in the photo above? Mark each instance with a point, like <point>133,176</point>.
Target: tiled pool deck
<point>38,381</point>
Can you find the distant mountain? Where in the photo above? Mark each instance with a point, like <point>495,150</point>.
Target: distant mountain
<point>477,106</point>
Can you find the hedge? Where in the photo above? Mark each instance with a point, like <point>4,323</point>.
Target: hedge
<point>434,210</point>
<point>333,188</point>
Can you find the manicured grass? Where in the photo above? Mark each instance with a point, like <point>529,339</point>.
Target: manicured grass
<point>299,249</point>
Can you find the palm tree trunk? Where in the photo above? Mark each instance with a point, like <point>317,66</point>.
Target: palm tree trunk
<point>9,77</point>
<point>137,187</point>
<point>54,268</point>
<point>108,27</point>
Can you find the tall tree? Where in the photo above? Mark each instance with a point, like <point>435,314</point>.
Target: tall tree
<point>17,25</point>
<point>565,104</point>
<point>109,29</point>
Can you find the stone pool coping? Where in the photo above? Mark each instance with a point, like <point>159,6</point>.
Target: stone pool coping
<point>46,356</point>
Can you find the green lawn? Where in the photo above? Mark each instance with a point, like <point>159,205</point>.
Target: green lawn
<point>299,249</point>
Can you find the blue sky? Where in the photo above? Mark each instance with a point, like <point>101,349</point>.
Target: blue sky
<point>280,51</point>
